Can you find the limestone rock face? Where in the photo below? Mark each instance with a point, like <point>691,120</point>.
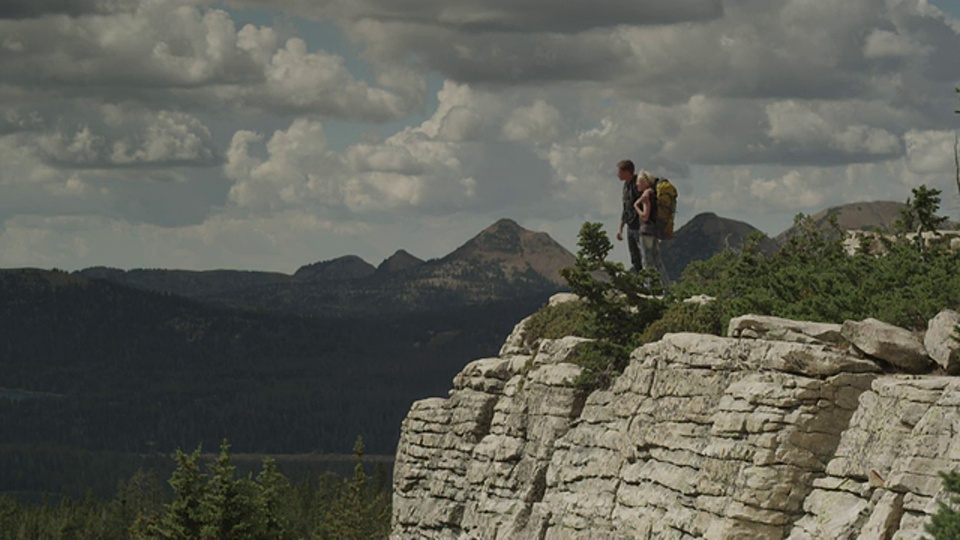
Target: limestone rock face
<point>701,437</point>
<point>776,328</point>
<point>774,437</point>
<point>904,431</point>
<point>516,342</point>
<point>477,460</point>
<point>940,342</point>
<point>896,346</point>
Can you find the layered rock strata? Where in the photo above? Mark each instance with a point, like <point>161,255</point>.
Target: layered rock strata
<point>883,480</point>
<point>700,437</point>
<point>477,460</point>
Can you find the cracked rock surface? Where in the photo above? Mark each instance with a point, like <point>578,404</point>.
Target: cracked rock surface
<point>769,435</point>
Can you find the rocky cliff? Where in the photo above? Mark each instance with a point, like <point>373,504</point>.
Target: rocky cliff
<point>784,430</point>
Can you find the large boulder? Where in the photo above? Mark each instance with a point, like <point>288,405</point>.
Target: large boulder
<point>894,345</point>
<point>778,329</point>
<point>940,340</point>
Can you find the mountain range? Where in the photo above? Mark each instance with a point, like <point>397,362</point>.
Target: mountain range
<point>504,261</point>
<point>708,234</point>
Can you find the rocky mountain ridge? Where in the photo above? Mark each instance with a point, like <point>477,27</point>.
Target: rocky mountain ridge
<point>503,261</point>
<point>348,267</point>
<point>398,262</point>
<point>857,216</point>
<point>786,429</point>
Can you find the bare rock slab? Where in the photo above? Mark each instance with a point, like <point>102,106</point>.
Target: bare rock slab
<point>940,341</point>
<point>779,329</point>
<point>896,346</point>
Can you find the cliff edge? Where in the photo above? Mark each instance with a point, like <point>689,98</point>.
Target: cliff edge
<point>786,430</point>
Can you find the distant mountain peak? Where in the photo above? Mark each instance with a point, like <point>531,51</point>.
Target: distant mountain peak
<point>343,268</point>
<point>399,261</point>
<point>704,236</point>
<point>504,237</point>
<point>515,249</point>
<point>504,222</point>
<point>862,215</point>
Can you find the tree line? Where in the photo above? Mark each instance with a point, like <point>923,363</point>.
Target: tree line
<point>210,501</point>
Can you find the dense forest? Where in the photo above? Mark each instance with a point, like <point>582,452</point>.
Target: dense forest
<point>439,284</point>
<point>94,371</point>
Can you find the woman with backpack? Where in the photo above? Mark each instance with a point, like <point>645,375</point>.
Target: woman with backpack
<point>646,207</point>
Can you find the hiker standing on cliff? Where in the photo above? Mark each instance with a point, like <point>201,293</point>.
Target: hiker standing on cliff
<point>629,216</point>
<point>649,241</point>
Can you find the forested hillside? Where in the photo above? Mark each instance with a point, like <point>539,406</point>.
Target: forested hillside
<point>89,365</point>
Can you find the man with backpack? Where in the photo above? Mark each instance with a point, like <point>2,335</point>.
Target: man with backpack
<point>629,215</point>
<point>654,223</point>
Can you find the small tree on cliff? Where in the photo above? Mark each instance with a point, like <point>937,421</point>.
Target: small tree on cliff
<point>619,302</point>
<point>920,214</point>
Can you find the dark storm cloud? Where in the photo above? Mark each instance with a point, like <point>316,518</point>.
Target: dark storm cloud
<point>523,59</point>
<point>534,15</point>
<point>30,9</point>
<point>172,55</point>
<point>482,16</point>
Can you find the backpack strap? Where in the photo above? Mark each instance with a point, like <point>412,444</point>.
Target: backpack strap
<point>654,200</point>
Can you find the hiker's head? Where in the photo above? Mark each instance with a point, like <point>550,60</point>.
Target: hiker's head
<point>645,180</point>
<point>625,170</point>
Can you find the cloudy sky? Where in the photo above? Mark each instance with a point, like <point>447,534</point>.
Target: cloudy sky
<point>268,134</point>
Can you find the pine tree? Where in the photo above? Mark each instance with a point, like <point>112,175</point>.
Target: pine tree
<point>273,501</point>
<point>140,498</point>
<point>945,524</point>
<point>619,302</point>
<point>183,518</point>
<point>228,510</point>
<point>920,214</point>
<point>219,506</point>
<point>357,512</point>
